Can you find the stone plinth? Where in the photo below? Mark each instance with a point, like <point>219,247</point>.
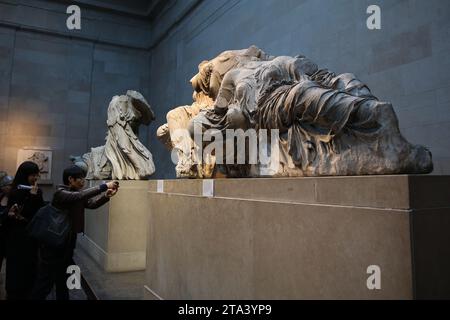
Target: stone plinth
<point>115,234</point>
<point>299,238</point>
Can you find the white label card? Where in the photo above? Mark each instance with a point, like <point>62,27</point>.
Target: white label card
<point>160,186</point>
<point>208,188</point>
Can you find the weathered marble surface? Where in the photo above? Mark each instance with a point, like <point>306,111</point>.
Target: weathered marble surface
<point>180,142</point>
<point>123,156</point>
<point>328,124</point>
<point>175,135</point>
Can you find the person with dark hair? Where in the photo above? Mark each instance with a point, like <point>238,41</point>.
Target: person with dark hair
<point>5,190</point>
<point>73,171</point>
<point>21,250</point>
<point>73,200</point>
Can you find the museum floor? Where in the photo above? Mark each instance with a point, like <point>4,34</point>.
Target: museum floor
<point>102,285</point>
<point>107,285</point>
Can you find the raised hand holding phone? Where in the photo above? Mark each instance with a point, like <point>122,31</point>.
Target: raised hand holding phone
<point>113,185</point>
<point>111,193</point>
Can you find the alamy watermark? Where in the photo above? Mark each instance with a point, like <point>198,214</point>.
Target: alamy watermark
<point>74,279</point>
<point>232,146</point>
<point>73,22</point>
<point>374,20</point>
<point>374,280</point>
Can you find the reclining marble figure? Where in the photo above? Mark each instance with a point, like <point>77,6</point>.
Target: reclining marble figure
<point>328,124</point>
<point>179,141</point>
<point>123,156</point>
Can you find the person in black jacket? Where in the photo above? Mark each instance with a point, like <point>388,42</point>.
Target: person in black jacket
<point>24,201</point>
<point>71,198</point>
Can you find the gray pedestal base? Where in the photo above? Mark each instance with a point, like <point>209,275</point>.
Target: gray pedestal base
<point>303,238</point>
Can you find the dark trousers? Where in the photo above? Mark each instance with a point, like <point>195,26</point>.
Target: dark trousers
<point>52,270</point>
<point>2,246</point>
<point>21,263</point>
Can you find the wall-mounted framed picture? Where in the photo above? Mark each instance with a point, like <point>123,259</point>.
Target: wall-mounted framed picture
<point>42,156</point>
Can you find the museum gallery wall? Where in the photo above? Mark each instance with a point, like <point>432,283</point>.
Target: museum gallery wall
<point>58,88</point>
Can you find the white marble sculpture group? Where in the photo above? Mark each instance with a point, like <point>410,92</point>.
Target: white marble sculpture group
<point>123,156</point>
<point>328,124</point>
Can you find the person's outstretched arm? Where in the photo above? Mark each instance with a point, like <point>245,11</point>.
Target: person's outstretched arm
<point>96,202</point>
<point>68,197</point>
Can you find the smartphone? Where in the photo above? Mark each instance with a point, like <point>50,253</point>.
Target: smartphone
<point>24,187</point>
